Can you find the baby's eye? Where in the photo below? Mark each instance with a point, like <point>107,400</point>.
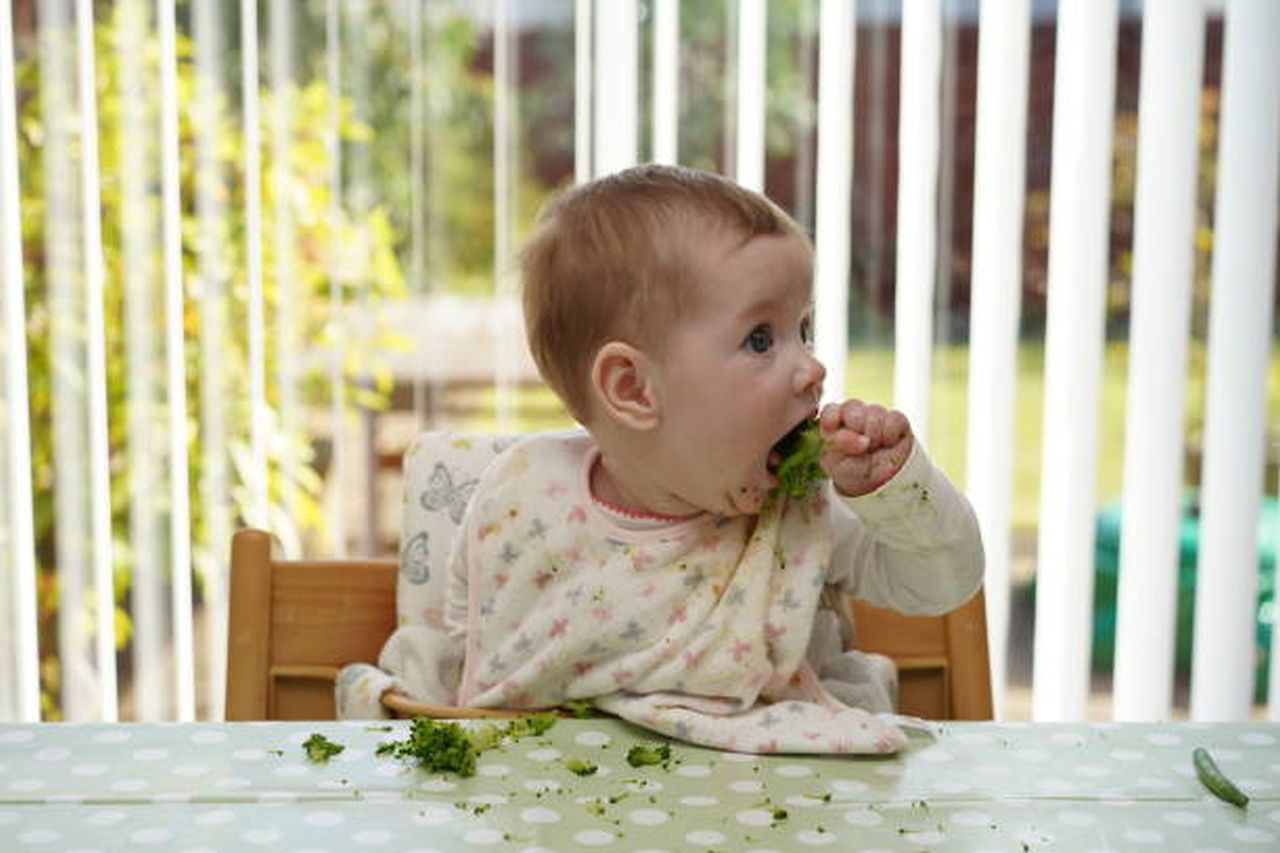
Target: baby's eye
<point>760,339</point>
<point>806,331</point>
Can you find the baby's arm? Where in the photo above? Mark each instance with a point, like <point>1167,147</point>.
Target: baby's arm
<point>912,544</point>
<point>865,445</point>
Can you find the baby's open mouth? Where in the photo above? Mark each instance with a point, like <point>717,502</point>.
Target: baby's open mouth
<point>794,459</point>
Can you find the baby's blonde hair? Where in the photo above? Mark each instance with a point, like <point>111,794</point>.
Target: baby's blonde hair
<point>613,259</point>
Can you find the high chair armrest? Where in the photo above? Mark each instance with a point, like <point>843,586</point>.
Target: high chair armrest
<point>402,706</point>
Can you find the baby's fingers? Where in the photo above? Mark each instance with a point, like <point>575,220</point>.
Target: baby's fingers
<point>890,427</point>
<point>846,442</point>
<point>850,415</point>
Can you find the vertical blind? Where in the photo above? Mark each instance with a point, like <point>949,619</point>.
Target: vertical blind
<point>1169,113</point>
<point>998,190</point>
<point>1083,98</point>
<point>239,285</point>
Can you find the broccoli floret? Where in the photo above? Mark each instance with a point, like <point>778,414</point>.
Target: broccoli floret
<point>530,725</point>
<point>484,736</point>
<point>435,746</point>
<point>799,470</point>
<point>447,747</point>
<point>644,755</point>
<point>580,766</point>
<point>320,749</point>
<point>580,709</point>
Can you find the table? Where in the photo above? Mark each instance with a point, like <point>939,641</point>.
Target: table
<point>971,786</point>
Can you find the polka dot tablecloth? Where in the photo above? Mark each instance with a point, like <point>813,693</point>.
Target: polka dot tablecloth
<point>970,786</point>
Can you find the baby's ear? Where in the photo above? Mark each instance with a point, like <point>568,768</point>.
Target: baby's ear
<point>622,380</point>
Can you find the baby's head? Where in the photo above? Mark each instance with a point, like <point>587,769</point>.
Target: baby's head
<point>618,259</point>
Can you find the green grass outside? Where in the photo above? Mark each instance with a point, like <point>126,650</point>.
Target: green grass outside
<point>869,376</point>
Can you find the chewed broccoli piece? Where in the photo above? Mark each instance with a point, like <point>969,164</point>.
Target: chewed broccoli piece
<point>448,747</point>
<point>580,766</point>
<point>644,755</point>
<point>436,746</point>
<point>799,470</point>
<point>530,725</point>
<point>320,749</point>
<point>580,709</point>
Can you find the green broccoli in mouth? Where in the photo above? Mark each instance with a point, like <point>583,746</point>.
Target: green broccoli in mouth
<point>799,470</point>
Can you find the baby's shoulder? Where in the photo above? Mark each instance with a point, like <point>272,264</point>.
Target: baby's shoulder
<point>546,448</point>
<point>535,458</point>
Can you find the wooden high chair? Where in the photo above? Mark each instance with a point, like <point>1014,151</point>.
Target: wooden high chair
<point>294,624</point>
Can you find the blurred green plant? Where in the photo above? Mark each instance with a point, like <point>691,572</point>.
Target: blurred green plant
<point>454,77</point>
<point>329,241</point>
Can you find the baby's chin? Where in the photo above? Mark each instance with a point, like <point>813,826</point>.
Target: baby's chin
<point>749,500</point>
<point>748,497</point>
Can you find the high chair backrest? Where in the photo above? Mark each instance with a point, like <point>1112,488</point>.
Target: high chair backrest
<point>441,470</point>
<point>293,625</point>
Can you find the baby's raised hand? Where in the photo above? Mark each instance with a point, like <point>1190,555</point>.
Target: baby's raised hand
<point>865,445</point>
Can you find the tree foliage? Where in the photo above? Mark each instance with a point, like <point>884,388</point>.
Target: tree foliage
<point>330,242</point>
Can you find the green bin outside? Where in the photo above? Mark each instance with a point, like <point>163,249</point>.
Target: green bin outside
<point>1107,571</point>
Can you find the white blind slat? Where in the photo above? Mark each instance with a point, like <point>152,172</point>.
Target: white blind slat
<point>136,174</point>
<point>998,194</point>
<point>1084,81</point>
<point>583,95</point>
<point>425,395</point>
<point>282,15</point>
<point>752,51</point>
<point>96,369</point>
<point>257,511</point>
<point>417,166</point>
<point>1273,673</point>
<point>206,116</point>
<point>361,196</point>
<point>666,79</point>
<point>176,375</point>
<point>18,575</point>
<point>1163,265</point>
<point>614,110</point>
<point>917,244</point>
<point>834,177</point>
<point>1239,343</point>
<point>802,125</point>
<point>506,85</point>
<point>337,417</point>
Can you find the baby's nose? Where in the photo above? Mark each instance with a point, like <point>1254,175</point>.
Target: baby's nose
<point>809,376</point>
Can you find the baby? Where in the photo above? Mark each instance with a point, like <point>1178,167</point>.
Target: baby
<point>650,564</point>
